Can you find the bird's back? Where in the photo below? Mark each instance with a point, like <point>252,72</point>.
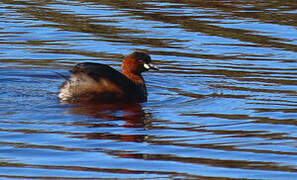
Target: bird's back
<point>99,82</point>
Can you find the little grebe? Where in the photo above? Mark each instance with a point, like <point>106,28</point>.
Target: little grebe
<point>95,82</point>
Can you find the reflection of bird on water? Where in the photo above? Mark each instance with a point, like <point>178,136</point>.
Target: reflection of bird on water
<point>131,113</point>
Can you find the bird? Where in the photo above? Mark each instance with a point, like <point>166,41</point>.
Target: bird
<point>100,83</point>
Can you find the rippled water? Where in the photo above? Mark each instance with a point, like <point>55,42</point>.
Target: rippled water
<point>223,105</point>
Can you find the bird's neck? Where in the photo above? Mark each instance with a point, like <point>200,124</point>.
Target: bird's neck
<point>137,78</point>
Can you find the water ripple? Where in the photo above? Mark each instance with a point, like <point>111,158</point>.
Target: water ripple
<point>221,107</point>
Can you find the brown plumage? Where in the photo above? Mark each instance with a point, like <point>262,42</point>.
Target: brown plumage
<point>95,82</point>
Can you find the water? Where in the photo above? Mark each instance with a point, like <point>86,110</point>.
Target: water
<point>223,105</point>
